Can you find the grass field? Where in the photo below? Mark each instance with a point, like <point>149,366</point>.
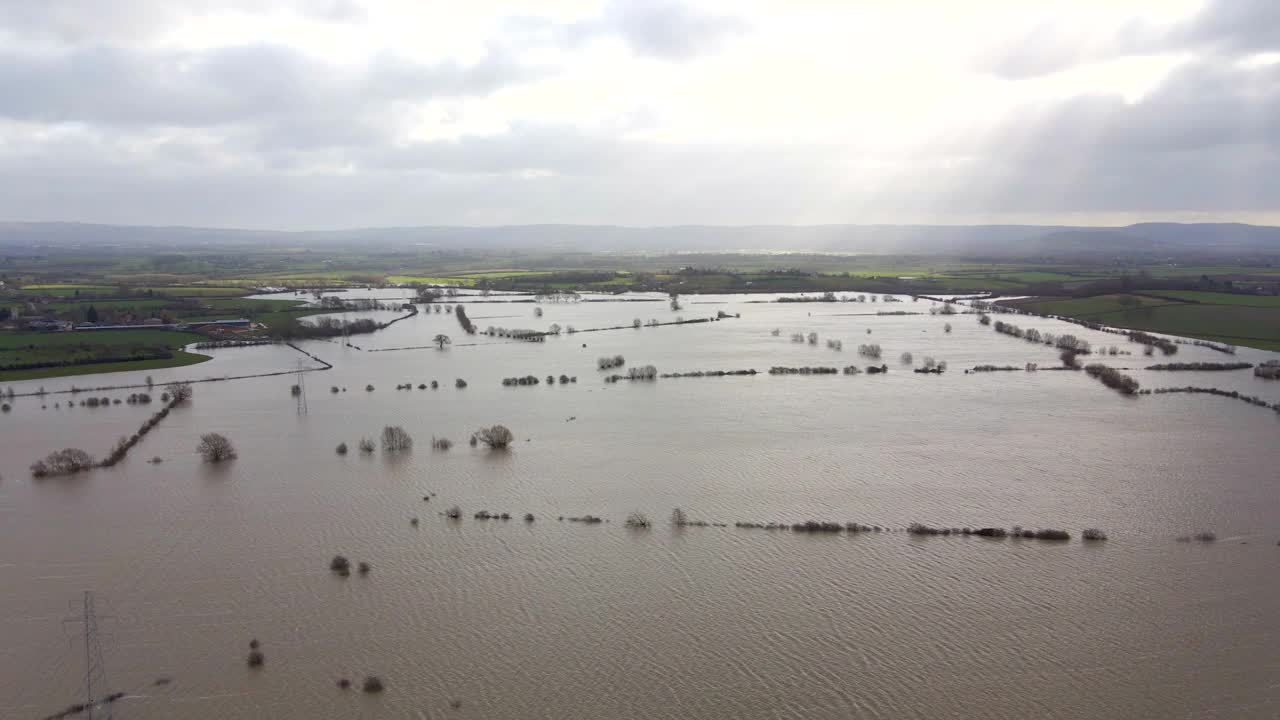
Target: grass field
<point>199,291</point>
<point>430,280</point>
<point>180,359</point>
<point>70,290</point>
<point>1219,317</point>
<point>1212,298</point>
<point>17,348</point>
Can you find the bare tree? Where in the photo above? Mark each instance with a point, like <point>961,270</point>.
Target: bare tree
<point>62,462</point>
<point>180,392</point>
<point>395,439</point>
<point>441,340</point>
<point>215,448</point>
<point>496,437</point>
<point>638,520</point>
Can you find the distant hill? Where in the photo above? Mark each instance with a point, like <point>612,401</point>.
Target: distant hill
<point>984,240</point>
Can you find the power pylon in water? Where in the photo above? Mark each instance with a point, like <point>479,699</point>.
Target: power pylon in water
<point>302,389</point>
<point>96,702</point>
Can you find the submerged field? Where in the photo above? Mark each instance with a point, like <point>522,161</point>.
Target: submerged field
<point>553,618</point>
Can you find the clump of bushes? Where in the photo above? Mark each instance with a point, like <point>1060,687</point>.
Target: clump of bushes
<point>496,437</point>
<point>1269,370</point>
<point>609,363</point>
<point>521,381</point>
<point>373,683</point>
<point>1203,366</point>
<point>817,526</point>
<point>1113,378</point>
<point>778,370</point>
<point>68,461</point>
<point>441,443</point>
<point>1093,534</point>
<point>368,388</point>
<point>256,658</point>
<point>637,520</point>
<point>340,565</point>
<point>459,383</point>
<point>342,448</point>
<point>1168,347</point>
<point>871,350</point>
<point>366,445</point>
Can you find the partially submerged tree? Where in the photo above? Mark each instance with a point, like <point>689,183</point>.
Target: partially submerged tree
<point>395,439</point>
<point>215,448</point>
<point>180,392</point>
<point>441,340</point>
<point>678,518</point>
<point>62,462</point>
<point>638,520</point>
<point>496,437</point>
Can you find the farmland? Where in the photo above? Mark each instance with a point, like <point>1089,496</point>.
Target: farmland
<point>1252,321</point>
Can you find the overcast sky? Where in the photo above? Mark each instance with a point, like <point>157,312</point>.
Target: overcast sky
<point>298,114</point>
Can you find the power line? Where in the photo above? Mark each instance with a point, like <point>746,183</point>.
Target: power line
<point>95,669</point>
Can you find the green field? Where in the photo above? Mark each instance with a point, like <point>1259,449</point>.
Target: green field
<point>17,348</point>
<point>70,290</point>
<point>198,291</point>
<point>1212,298</point>
<point>1219,317</point>
<point>429,280</point>
<point>180,359</point>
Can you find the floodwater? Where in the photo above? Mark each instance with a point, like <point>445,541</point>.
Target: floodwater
<point>560,620</point>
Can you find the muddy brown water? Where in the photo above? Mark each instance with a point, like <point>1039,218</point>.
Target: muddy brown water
<point>563,620</point>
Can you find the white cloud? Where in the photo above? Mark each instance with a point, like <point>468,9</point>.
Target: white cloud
<point>635,111</point>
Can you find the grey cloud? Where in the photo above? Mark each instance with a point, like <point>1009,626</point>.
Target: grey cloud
<point>552,149</point>
<point>224,85</point>
<point>1200,106</point>
<point>82,21</point>
<point>1230,27</point>
<point>1247,26</point>
<point>665,29</point>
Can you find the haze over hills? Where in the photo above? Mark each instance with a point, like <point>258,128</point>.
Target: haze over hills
<point>997,240</point>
